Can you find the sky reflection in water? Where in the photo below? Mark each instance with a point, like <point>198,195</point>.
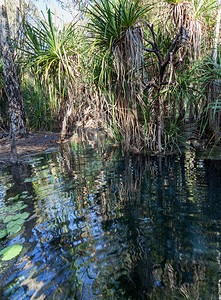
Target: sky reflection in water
<point>104,226</point>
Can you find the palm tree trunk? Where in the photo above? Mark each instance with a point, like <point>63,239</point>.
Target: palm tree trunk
<point>17,120</point>
<point>216,41</point>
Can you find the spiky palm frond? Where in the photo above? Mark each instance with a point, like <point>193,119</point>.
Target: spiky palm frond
<point>116,33</point>
<point>51,54</point>
<point>203,8</point>
<point>109,20</point>
<point>47,47</point>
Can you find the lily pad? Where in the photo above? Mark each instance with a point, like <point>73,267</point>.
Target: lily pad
<point>19,221</point>
<point>13,228</point>
<point>14,198</point>
<point>3,233</point>
<point>11,218</point>
<point>11,251</point>
<point>7,208</point>
<point>18,205</point>
<point>24,215</point>
<point>8,219</point>
<point>28,180</point>
<point>23,206</point>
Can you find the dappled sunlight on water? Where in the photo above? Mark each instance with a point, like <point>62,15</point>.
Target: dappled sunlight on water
<point>100,225</point>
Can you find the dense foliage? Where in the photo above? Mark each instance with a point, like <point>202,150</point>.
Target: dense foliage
<point>144,72</point>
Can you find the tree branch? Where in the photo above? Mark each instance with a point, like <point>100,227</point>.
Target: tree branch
<point>148,41</point>
<point>179,40</point>
<point>154,43</point>
<point>149,50</point>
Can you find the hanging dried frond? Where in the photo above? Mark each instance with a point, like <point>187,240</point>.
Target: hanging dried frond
<point>128,54</point>
<point>191,14</point>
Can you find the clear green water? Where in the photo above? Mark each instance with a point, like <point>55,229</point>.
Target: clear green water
<point>102,226</point>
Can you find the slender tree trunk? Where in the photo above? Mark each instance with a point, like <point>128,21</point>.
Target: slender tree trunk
<point>216,41</point>
<point>14,154</point>
<point>68,113</point>
<point>214,89</point>
<point>17,121</point>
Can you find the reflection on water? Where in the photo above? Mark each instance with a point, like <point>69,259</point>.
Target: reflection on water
<point>104,226</point>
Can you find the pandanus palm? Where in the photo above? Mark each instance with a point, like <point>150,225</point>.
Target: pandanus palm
<point>50,54</point>
<point>194,15</point>
<point>116,33</point>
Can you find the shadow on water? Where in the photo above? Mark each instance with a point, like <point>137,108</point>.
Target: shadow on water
<point>103,225</point>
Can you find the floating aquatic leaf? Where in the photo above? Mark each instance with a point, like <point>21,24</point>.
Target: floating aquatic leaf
<point>8,219</point>
<point>18,204</point>
<point>25,196</point>
<point>13,228</point>
<point>7,209</point>
<point>14,217</point>
<point>35,179</point>
<point>11,251</point>
<point>3,233</point>
<point>28,180</point>
<point>4,250</point>
<point>19,221</point>
<point>23,206</point>
<point>16,207</point>
<point>14,198</point>
<point>24,215</point>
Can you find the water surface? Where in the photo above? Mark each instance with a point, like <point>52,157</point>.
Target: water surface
<point>95,224</point>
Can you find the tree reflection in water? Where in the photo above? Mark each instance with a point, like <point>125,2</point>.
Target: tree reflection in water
<point>110,226</point>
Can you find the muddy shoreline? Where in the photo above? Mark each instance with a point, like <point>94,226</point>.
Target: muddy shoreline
<point>35,142</point>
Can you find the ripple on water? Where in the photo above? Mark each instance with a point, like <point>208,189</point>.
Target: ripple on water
<point>103,226</point>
